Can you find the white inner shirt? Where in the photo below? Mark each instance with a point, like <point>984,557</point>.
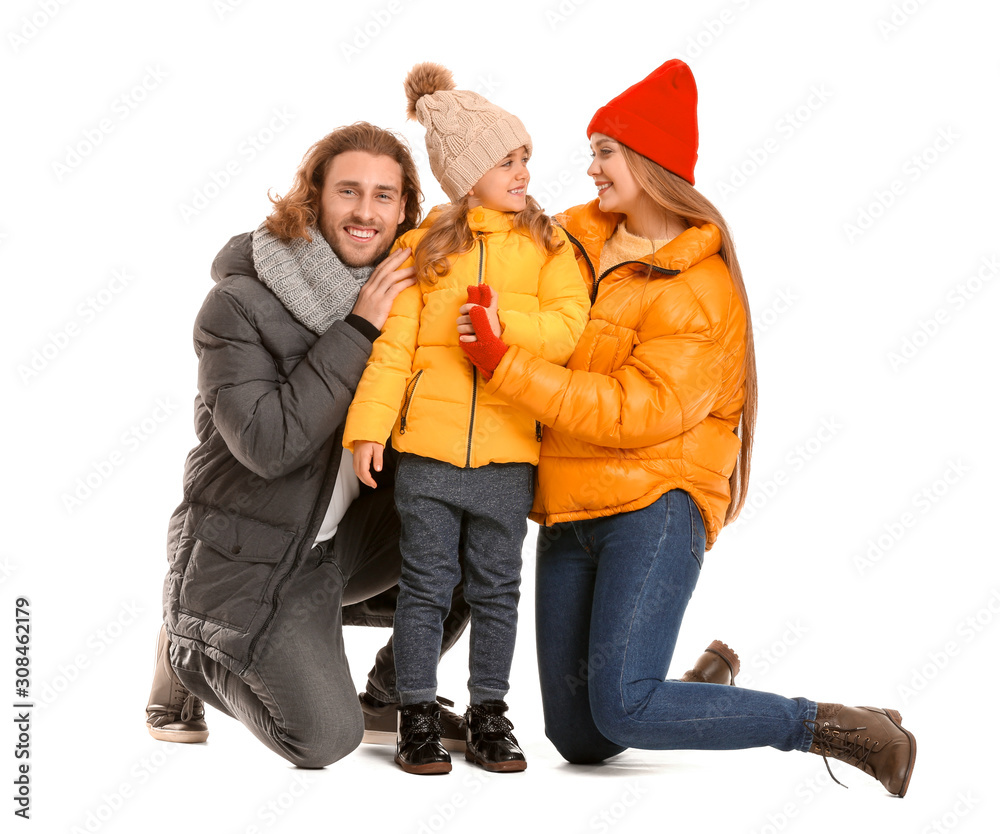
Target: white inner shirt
<point>345,490</point>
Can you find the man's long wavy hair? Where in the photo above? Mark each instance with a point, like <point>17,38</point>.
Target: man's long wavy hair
<point>450,235</point>
<point>300,208</point>
<point>677,195</point>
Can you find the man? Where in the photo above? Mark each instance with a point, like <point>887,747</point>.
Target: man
<point>275,533</point>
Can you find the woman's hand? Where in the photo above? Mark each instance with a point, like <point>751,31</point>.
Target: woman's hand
<point>479,330</point>
<point>366,454</point>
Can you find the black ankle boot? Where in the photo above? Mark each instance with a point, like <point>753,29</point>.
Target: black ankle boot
<point>489,740</point>
<point>418,739</point>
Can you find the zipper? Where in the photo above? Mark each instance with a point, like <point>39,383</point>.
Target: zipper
<point>475,372</point>
<point>270,614</point>
<point>311,531</point>
<point>596,279</point>
<point>538,431</point>
<point>411,389</point>
<point>610,269</point>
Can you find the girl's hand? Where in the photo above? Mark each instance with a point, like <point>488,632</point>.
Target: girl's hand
<point>479,296</point>
<point>479,330</point>
<point>367,453</point>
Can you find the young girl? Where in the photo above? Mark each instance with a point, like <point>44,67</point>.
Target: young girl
<point>465,479</point>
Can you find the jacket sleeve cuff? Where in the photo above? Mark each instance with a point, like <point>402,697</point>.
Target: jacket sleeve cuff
<point>363,326</point>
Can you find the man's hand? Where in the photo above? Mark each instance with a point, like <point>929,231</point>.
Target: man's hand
<point>380,290</point>
<point>479,296</point>
<point>367,453</point>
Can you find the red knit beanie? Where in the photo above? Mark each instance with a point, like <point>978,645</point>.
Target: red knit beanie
<point>657,118</point>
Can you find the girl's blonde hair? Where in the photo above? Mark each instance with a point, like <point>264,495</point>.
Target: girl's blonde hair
<point>676,195</point>
<point>450,235</point>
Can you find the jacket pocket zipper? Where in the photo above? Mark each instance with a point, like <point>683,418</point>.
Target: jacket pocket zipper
<point>411,389</point>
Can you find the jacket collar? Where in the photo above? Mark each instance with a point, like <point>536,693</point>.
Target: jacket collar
<point>488,220</point>
<point>592,228</point>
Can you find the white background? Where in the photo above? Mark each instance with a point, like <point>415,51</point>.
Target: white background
<point>824,106</point>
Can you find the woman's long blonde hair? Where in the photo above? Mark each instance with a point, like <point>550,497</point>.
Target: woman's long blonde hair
<point>450,235</point>
<point>676,195</point>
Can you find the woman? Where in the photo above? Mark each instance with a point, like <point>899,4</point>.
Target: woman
<point>646,457</point>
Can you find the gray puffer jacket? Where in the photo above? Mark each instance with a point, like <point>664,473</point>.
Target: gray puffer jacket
<point>269,415</point>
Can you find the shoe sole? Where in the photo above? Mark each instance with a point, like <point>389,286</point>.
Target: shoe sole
<point>896,719</point>
<point>387,739</point>
<point>178,736</point>
<point>496,767</point>
<point>430,769</point>
<point>727,654</point>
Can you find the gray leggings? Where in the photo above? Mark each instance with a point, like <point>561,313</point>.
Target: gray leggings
<point>446,513</point>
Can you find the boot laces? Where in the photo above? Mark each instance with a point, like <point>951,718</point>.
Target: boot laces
<point>420,724</point>
<point>837,742</point>
<point>491,722</point>
<point>188,709</point>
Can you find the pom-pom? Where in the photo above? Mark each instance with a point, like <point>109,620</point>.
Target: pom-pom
<point>424,79</point>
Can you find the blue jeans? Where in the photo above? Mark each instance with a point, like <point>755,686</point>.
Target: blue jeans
<point>610,596</point>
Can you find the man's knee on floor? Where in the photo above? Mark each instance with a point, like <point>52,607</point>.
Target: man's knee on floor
<point>326,746</point>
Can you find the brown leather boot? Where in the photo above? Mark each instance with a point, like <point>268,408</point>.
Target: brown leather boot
<point>717,664</point>
<point>173,713</point>
<point>871,739</point>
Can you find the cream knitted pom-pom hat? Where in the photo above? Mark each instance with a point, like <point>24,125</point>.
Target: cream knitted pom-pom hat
<point>466,134</point>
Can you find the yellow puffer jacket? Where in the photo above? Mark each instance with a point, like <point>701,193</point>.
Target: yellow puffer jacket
<point>652,395</point>
<point>420,386</point>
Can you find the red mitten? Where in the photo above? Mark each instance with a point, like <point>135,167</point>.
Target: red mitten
<point>488,349</point>
<point>480,294</point>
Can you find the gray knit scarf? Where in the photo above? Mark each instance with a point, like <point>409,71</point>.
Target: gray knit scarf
<point>308,278</point>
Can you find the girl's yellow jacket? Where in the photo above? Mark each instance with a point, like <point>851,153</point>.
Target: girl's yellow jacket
<point>420,386</point>
<point>651,398</point>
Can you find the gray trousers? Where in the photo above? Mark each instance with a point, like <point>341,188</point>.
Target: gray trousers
<point>455,521</point>
<point>299,697</point>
